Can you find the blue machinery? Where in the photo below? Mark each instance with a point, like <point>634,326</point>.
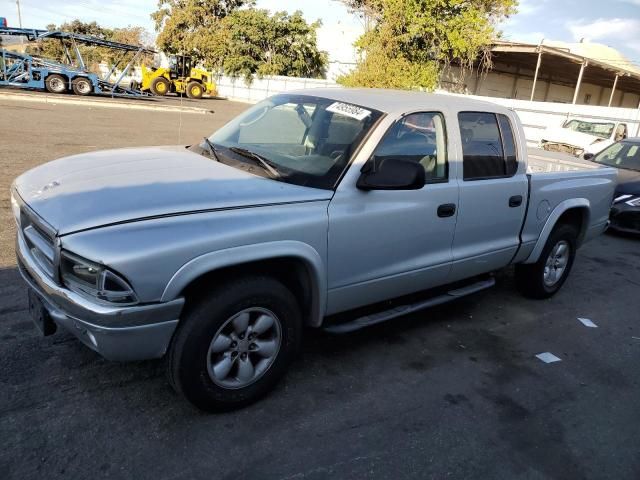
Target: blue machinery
<point>32,72</point>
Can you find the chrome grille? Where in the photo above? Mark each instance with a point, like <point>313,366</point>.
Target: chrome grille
<point>40,243</point>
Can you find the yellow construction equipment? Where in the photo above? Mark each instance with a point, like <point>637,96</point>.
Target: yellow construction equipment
<point>181,77</point>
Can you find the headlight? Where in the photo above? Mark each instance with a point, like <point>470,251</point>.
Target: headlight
<point>88,278</point>
<point>631,200</point>
<point>15,207</point>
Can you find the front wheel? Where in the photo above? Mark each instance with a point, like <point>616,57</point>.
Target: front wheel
<point>160,86</point>
<point>544,278</point>
<point>233,346</point>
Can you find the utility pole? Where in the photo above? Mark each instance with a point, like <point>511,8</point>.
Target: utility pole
<point>19,14</point>
<point>19,20</point>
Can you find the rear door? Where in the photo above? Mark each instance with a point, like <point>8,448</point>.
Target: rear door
<point>493,194</point>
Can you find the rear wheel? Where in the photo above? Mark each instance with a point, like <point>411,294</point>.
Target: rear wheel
<point>233,346</point>
<point>56,83</point>
<point>160,86</point>
<point>81,86</point>
<point>544,278</point>
<point>195,90</point>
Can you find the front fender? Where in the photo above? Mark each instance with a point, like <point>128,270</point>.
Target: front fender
<point>250,253</point>
<point>551,222</point>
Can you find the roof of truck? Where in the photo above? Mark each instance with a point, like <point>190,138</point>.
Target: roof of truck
<point>400,101</point>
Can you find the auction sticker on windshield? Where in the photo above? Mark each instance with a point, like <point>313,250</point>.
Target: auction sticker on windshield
<point>348,110</point>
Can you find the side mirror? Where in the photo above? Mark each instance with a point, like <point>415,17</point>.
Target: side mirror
<point>588,156</point>
<point>391,174</point>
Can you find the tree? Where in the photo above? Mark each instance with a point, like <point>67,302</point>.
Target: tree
<point>184,24</point>
<point>411,41</point>
<point>240,41</point>
<point>253,42</point>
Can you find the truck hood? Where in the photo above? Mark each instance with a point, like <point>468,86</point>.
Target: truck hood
<point>112,186</point>
<point>569,137</point>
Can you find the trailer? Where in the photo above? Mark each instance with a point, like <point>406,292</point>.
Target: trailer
<point>22,70</point>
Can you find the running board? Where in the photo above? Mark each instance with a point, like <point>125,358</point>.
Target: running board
<point>401,310</point>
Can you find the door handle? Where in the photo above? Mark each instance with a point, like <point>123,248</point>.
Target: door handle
<point>447,210</point>
<point>515,201</point>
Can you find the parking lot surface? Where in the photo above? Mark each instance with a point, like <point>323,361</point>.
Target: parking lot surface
<point>451,392</point>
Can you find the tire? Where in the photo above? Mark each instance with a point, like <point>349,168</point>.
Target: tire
<point>56,84</point>
<point>160,86</point>
<point>220,315</point>
<point>195,90</point>
<point>82,86</point>
<point>534,280</point>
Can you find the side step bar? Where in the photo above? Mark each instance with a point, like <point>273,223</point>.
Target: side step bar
<point>401,310</point>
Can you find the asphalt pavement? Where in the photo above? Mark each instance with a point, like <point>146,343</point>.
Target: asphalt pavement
<point>451,392</point>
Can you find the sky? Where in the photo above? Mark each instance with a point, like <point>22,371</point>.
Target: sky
<point>613,22</point>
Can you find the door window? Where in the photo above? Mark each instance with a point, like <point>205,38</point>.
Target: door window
<point>419,138</point>
<point>488,146</point>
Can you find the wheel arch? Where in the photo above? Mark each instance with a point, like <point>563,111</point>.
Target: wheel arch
<point>575,211</point>
<point>296,264</point>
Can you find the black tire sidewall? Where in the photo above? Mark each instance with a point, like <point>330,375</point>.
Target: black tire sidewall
<point>155,82</point>
<point>190,86</point>
<point>47,83</point>
<point>530,278</point>
<point>188,355</point>
<point>74,86</point>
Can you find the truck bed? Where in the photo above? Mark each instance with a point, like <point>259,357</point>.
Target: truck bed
<point>557,178</point>
<point>541,161</point>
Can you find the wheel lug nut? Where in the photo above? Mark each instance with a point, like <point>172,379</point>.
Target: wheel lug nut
<point>234,344</point>
<point>234,354</point>
<point>243,356</point>
<point>252,346</point>
<point>241,336</point>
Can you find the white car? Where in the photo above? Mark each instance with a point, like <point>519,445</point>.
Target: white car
<point>577,136</point>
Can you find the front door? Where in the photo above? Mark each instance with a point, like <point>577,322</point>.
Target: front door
<point>385,244</point>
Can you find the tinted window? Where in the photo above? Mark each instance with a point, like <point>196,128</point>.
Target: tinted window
<point>420,138</point>
<point>488,145</point>
<point>509,144</point>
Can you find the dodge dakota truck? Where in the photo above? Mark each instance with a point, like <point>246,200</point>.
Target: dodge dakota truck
<point>329,208</point>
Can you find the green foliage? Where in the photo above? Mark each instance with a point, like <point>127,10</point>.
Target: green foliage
<point>411,40</point>
<point>240,42</point>
<point>184,25</point>
<point>282,44</point>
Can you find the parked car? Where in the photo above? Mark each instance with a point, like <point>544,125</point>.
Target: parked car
<point>578,136</point>
<point>624,156</point>
<point>329,208</point>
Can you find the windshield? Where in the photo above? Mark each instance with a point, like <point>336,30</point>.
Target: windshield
<point>602,130</point>
<point>621,155</point>
<point>308,140</point>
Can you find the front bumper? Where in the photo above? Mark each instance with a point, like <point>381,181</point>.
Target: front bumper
<point>625,218</point>
<point>117,333</point>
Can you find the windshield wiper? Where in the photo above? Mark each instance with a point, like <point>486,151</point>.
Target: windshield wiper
<point>212,149</point>
<point>258,158</point>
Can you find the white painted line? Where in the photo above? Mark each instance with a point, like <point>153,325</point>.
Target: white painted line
<point>547,357</point>
<point>100,103</point>
<point>587,323</point>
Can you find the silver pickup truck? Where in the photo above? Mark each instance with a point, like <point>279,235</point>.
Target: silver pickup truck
<point>327,208</point>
